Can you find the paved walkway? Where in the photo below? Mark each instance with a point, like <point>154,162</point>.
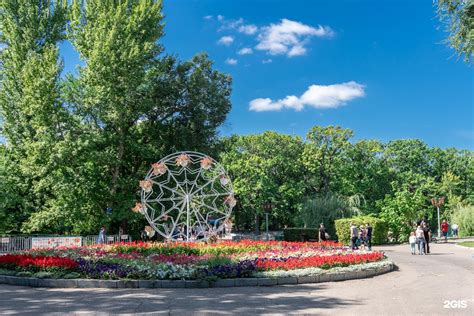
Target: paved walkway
<point>420,287</point>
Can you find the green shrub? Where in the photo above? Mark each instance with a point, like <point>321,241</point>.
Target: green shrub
<point>7,272</point>
<point>379,228</point>
<point>300,234</point>
<point>24,274</point>
<point>72,275</point>
<point>43,275</point>
<point>464,217</point>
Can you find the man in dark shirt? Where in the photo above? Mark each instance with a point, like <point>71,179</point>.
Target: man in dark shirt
<point>426,232</point>
<point>369,235</point>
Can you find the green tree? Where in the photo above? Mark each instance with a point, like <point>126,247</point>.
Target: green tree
<point>366,174</point>
<point>323,156</point>
<point>407,155</point>
<point>265,167</point>
<point>458,16</point>
<point>11,198</point>
<point>30,106</point>
<point>82,143</point>
<point>401,210</point>
<point>324,209</point>
<point>459,164</point>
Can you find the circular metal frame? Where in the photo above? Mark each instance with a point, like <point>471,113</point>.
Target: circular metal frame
<point>186,196</point>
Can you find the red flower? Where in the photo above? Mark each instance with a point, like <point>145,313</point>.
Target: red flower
<point>37,261</point>
<point>318,261</point>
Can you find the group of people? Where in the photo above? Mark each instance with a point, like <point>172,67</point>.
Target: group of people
<point>420,239</point>
<point>421,236</point>
<point>361,237</point>
<point>445,230</point>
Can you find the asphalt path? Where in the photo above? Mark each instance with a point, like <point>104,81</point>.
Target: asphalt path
<point>437,284</point>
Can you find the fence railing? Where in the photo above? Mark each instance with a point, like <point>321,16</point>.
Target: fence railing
<point>14,243</point>
<point>20,243</point>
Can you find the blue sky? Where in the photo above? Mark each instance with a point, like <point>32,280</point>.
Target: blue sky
<point>377,67</point>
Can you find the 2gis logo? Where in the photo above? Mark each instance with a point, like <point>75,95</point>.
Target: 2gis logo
<point>455,304</point>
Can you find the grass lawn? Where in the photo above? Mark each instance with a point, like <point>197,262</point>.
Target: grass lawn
<point>467,244</point>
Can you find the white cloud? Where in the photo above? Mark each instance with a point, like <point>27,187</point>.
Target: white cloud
<point>266,61</point>
<point>317,96</point>
<point>229,24</point>
<point>231,61</point>
<point>245,51</point>
<point>289,37</point>
<point>225,40</point>
<point>208,17</point>
<point>238,25</point>
<point>248,29</point>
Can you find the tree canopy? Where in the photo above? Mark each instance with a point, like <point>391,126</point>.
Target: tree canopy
<point>77,144</point>
<point>458,16</point>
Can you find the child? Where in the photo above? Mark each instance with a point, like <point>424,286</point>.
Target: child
<point>412,241</point>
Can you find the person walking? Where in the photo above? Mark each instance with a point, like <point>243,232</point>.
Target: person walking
<point>426,233</point>
<point>368,229</point>
<point>102,237</point>
<point>455,229</point>
<point>354,236</point>
<point>412,241</point>
<point>322,233</point>
<point>420,240</point>
<point>444,229</point>
<point>362,237</point>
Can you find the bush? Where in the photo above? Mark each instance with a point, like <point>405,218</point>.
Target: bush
<point>379,228</point>
<point>300,234</point>
<point>7,272</point>
<point>43,275</point>
<point>72,275</point>
<point>464,217</point>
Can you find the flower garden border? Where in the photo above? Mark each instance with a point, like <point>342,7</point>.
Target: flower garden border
<point>331,275</point>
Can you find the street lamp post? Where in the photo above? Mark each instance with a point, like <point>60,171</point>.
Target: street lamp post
<point>267,208</point>
<point>438,202</point>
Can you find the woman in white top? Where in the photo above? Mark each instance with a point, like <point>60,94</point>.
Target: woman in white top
<point>420,240</point>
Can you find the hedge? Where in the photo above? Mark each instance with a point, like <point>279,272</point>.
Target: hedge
<point>379,228</point>
<point>300,234</point>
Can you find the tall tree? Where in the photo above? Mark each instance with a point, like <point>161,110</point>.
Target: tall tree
<point>324,154</point>
<point>406,155</point>
<point>265,167</point>
<point>30,105</point>
<point>83,142</point>
<point>365,173</point>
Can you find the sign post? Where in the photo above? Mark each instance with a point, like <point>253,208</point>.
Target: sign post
<point>438,202</point>
<point>267,208</point>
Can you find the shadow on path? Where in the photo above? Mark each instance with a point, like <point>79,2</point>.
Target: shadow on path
<point>248,300</point>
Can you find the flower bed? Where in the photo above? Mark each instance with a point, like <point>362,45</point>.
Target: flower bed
<point>189,261</point>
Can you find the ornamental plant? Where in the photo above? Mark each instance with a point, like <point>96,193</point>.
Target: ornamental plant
<point>179,260</point>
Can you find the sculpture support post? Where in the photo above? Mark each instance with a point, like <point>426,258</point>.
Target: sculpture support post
<point>187,217</point>
<point>266,224</point>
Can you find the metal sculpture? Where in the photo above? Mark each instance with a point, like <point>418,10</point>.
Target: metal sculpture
<point>186,196</point>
